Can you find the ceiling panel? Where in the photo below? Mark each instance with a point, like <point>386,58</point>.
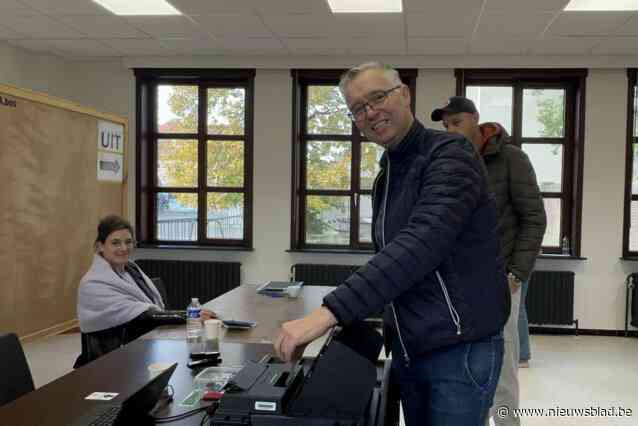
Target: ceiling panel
<point>40,26</point>
<point>371,23</point>
<point>247,25</point>
<point>496,25</point>
<point>587,23</point>
<point>617,46</point>
<point>436,46</point>
<point>202,46</point>
<point>83,48</point>
<point>252,44</point>
<point>137,47</point>
<point>67,7</point>
<point>499,46</point>
<point>300,25</point>
<point>12,5</point>
<point>332,43</point>
<point>167,26</point>
<point>205,7</point>
<point>102,26</point>
<point>436,7</point>
<point>7,33</point>
<point>564,45</point>
<point>375,45</point>
<point>630,28</point>
<point>42,46</point>
<point>526,5</point>
<point>280,7</point>
<point>440,24</point>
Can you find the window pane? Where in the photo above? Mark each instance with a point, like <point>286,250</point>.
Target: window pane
<point>370,155</point>
<point>633,227</point>
<point>327,111</point>
<point>543,113</point>
<point>634,181</point>
<point>552,232</point>
<point>177,109</point>
<point>547,160</point>
<point>328,165</point>
<point>176,217</point>
<point>636,111</point>
<point>365,219</point>
<point>327,220</point>
<point>225,163</point>
<point>226,109</point>
<point>177,163</point>
<point>225,215</point>
<point>494,103</point>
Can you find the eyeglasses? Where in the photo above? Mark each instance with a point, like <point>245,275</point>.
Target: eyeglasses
<point>375,99</point>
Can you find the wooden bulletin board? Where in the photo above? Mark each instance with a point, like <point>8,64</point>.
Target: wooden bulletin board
<point>50,205</point>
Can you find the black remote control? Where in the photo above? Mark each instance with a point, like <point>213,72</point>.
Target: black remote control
<point>204,362</point>
<point>204,355</point>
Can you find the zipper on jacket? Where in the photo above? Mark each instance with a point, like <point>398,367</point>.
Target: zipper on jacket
<point>456,319</point>
<point>406,357</point>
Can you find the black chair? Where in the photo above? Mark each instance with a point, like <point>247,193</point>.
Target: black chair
<point>14,370</point>
<point>159,283</point>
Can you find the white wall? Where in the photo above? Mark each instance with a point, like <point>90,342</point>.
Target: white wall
<point>600,292</point>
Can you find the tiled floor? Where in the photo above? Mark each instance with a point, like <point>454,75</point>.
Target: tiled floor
<point>566,372</point>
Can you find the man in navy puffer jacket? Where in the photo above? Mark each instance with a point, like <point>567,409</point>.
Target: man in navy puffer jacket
<point>438,269</point>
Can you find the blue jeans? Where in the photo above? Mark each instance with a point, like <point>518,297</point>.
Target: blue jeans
<point>450,386</point>
<point>523,327</point>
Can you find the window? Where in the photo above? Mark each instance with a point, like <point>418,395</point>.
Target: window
<point>630,229</point>
<point>543,112</point>
<point>194,157</point>
<point>334,166</point>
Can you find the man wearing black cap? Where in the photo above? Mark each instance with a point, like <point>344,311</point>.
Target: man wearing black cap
<point>522,220</point>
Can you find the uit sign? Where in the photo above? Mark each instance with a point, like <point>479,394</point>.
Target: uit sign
<point>110,151</point>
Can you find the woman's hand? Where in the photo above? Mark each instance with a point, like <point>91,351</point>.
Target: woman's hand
<point>206,314</point>
<point>295,335</point>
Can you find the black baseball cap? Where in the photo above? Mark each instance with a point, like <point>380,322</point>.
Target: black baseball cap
<point>455,105</point>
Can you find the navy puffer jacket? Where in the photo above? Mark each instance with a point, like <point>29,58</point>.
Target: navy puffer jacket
<point>440,263</point>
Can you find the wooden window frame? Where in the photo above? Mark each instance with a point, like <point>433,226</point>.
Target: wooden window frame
<point>632,75</point>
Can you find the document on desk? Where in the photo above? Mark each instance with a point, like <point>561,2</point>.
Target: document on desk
<point>102,396</point>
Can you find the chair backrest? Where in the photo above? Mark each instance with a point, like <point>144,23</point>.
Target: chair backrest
<point>159,284</point>
<point>14,370</point>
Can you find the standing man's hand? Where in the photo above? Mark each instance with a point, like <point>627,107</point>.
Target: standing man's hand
<point>295,335</point>
<point>514,283</point>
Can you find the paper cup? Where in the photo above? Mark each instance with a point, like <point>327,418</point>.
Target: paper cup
<point>212,329</point>
<point>293,291</point>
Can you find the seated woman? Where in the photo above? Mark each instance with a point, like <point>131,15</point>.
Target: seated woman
<point>115,297</point>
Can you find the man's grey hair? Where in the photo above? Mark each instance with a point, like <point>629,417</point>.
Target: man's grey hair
<point>390,73</point>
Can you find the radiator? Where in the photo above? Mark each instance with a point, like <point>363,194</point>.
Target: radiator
<point>186,279</point>
<point>550,298</point>
<point>317,274</point>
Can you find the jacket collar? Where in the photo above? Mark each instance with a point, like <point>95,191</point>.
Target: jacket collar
<point>496,136</point>
<point>405,147</point>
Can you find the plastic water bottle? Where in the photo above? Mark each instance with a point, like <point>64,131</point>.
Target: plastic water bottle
<point>565,246</point>
<point>194,327</point>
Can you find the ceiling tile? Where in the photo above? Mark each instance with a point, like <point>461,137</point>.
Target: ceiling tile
<point>191,47</point>
<point>617,46</point>
<point>499,46</point>
<point>12,5</point>
<point>300,25</point>
<point>587,23</point>
<point>441,25</point>
<point>102,26</point>
<point>280,7</point>
<point>247,25</point>
<point>40,26</point>
<point>252,44</point>
<point>436,46</point>
<point>67,7</point>
<point>167,26</point>
<point>630,28</point>
<point>134,47</point>
<point>369,24</point>
<point>205,7</point>
<point>525,5</point>
<point>375,45</point>
<point>83,48</point>
<point>7,33</point>
<point>497,25</point>
<point>458,7</point>
<point>33,45</point>
<point>564,45</point>
<point>314,43</point>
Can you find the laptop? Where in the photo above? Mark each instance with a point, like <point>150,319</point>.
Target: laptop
<point>133,410</point>
<point>277,286</point>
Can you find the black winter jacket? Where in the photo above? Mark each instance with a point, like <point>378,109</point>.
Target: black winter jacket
<point>440,263</point>
<point>520,208</point>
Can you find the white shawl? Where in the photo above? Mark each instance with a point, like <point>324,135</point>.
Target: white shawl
<point>106,300</point>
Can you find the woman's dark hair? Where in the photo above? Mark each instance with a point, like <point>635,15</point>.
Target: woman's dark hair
<point>110,224</point>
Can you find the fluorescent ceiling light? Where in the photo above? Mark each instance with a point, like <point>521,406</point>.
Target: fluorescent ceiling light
<point>365,6</point>
<point>138,7</point>
<point>601,5</point>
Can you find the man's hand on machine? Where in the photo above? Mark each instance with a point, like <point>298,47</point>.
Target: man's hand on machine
<point>295,335</point>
